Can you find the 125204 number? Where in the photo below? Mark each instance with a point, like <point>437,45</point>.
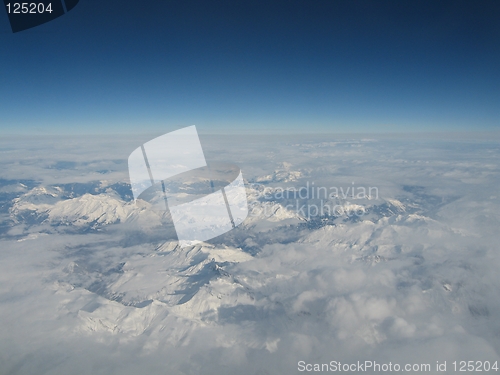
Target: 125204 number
<point>33,8</point>
<point>475,366</point>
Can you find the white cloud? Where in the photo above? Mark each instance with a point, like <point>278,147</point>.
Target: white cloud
<point>410,285</point>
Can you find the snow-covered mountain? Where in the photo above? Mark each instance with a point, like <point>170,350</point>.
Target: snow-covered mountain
<point>85,270</point>
<point>48,205</point>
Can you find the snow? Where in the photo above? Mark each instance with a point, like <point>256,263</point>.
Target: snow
<point>100,209</point>
<point>105,278</point>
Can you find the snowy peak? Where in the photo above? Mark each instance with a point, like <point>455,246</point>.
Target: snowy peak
<point>100,209</point>
<point>37,199</point>
<point>43,204</point>
<point>282,174</point>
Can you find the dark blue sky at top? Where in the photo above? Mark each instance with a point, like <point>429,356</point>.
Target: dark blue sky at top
<point>252,66</point>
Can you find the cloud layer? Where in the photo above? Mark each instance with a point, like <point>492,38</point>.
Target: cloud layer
<point>412,280</point>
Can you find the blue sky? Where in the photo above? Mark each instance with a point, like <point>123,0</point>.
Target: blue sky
<point>249,66</point>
